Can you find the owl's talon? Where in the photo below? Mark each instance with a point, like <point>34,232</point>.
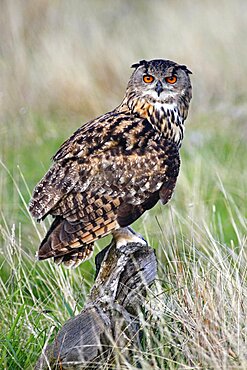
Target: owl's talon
<point>125,237</point>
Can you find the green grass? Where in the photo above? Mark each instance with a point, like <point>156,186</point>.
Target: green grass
<point>197,309</point>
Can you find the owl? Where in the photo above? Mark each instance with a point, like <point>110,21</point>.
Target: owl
<point>115,167</point>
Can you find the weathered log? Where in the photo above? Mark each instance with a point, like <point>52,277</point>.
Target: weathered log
<point>108,329</point>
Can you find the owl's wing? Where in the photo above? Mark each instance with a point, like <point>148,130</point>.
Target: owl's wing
<point>71,163</point>
<point>106,183</point>
<point>118,191</point>
<point>74,159</point>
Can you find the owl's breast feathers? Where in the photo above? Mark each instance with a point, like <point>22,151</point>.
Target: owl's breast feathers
<point>105,176</point>
<point>166,117</point>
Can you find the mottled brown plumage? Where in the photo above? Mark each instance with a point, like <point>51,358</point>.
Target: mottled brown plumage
<point>116,167</point>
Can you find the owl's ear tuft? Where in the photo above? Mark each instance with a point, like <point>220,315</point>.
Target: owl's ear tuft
<point>141,63</point>
<point>186,69</point>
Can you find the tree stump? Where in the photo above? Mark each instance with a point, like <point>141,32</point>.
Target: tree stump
<point>108,330</point>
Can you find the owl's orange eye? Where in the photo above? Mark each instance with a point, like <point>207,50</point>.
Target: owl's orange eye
<point>148,79</point>
<point>171,80</point>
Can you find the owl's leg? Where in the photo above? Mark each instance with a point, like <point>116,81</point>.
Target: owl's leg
<point>126,235</point>
<point>75,257</point>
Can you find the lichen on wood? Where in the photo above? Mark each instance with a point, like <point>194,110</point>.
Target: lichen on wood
<point>108,330</point>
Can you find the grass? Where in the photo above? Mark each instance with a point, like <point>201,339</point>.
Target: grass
<point>58,70</point>
<point>197,309</point>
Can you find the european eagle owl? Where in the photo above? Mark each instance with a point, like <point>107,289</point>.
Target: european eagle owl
<point>117,166</point>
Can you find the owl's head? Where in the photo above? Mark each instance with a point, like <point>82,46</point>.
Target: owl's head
<point>160,91</point>
<point>161,81</point>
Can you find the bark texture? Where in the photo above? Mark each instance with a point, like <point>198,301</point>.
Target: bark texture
<point>108,329</point>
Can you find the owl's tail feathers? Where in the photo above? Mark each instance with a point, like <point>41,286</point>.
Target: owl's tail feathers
<point>66,243</point>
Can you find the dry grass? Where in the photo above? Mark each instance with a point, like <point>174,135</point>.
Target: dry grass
<point>75,57</point>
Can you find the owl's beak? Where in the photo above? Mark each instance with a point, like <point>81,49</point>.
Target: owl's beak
<point>159,88</point>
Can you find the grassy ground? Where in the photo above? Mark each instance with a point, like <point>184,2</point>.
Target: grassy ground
<point>61,65</point>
